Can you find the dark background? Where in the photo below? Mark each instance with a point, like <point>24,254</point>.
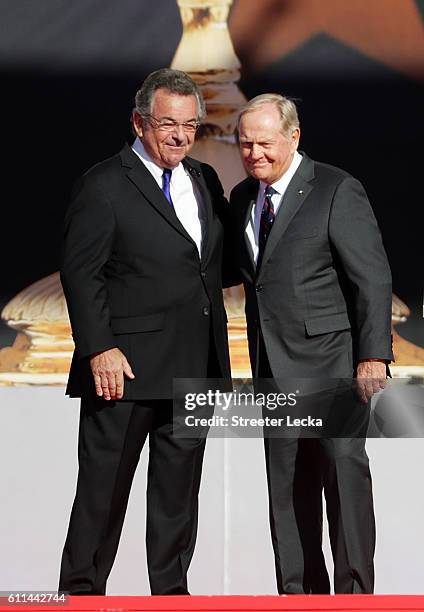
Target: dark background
<point>69,71</point>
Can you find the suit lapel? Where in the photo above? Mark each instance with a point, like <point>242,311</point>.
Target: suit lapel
<point>297,191</point>
<point>252,193</point>
<point>146,184</point>
<point>195,172</point>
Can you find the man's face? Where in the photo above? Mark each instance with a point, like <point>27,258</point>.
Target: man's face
<point>265,151</point>
<point>167,147</point>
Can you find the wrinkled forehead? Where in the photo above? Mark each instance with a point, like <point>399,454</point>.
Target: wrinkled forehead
<point>260,125</point>
<point>265,118</point>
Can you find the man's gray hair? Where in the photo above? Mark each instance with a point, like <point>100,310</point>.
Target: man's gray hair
<point>286,108</point>
<point>175,81</point>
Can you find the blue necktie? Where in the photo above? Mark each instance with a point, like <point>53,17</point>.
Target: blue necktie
<point>166,184</point>
<point>267,219</point>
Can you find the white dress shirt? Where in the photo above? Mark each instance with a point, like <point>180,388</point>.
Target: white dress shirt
<point>280,186</point>
<point>188,204</point>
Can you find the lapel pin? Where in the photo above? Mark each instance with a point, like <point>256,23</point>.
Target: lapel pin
<point>300,191</point>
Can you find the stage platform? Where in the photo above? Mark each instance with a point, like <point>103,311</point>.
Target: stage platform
<point>295,603</point>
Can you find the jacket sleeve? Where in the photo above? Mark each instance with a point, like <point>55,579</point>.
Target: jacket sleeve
<point>354,233</point>
<point>230,274</point>
<point>235,240</point>
<point>88,242</point>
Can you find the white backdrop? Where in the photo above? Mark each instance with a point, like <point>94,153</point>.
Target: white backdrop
<point>233,554</point>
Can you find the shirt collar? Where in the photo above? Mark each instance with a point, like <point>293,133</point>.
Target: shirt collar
<point>282,183</point>
<point>156,170</point>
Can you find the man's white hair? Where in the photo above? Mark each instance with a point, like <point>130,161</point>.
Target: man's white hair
<point>286,108</point>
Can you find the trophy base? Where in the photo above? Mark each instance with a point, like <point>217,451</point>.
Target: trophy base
<point>407,371</point>
<point>13,379</point>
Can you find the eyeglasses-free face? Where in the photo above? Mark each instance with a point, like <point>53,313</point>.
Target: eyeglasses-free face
<point>168,132</point>
<point>266,152</point>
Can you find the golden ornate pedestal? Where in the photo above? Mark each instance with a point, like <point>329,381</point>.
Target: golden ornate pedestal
<point>206,53</point>
<point>42,350</point>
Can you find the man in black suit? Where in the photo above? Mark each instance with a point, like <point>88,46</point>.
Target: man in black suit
<point>318,306</point>
<point>141,274</point>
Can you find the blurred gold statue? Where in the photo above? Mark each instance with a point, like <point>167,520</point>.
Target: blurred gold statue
<point>42,351</point>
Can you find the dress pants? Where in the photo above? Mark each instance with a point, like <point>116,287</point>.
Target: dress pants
<point>298,469</point>
<point>111,437</point>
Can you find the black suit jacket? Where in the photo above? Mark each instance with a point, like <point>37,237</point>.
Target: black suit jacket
<point>322,296</point>
<point>133,278</point>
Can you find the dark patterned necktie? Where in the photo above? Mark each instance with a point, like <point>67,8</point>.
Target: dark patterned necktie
<point>267,220</point>
<point>166,184</point>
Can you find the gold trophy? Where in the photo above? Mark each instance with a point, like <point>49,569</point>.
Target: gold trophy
<point>42,351</point>
<point>206,53</point>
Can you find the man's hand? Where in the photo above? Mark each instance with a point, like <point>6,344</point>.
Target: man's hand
<point>108,370</point>
<point>370,378</point>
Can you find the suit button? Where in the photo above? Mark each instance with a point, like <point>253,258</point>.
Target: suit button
<point>205,311</point>
<point>259,288</point>
<point>203,274</point>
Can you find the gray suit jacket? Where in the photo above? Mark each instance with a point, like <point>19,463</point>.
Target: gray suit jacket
<point>322,296</point>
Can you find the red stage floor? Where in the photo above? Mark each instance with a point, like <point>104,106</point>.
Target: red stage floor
<point>295,603</point>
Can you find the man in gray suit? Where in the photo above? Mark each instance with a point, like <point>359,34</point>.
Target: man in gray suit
<point>318,305</point>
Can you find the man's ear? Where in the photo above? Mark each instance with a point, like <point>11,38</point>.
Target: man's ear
<point>296,137</point>
<point>137,122</point>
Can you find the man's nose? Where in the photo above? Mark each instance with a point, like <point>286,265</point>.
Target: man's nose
<point>255,152</point>
<point>178,131</point>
